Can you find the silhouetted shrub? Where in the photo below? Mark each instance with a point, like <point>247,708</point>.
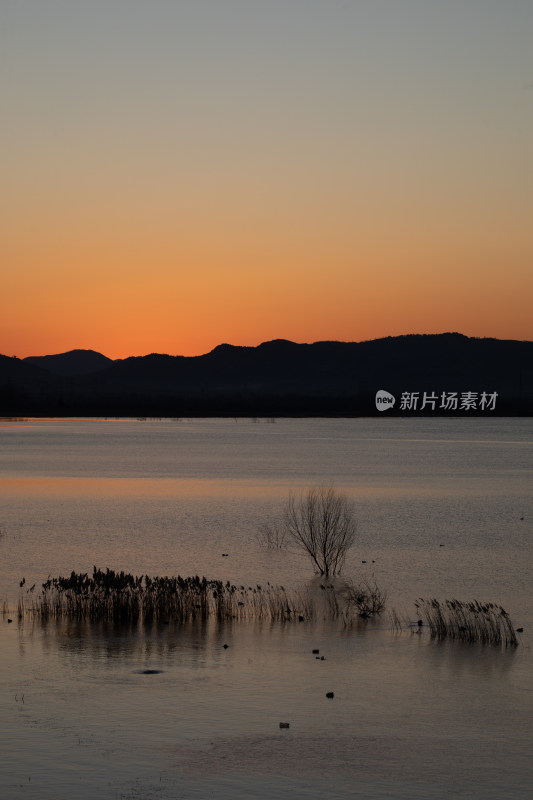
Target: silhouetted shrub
<point>366,598</point>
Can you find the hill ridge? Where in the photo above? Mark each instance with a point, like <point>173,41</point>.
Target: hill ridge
<point>277,377</point>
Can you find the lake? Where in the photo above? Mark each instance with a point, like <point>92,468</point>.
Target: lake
<point>444,509</point>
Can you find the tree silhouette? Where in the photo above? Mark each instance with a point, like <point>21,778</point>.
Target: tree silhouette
<point>321,522</point>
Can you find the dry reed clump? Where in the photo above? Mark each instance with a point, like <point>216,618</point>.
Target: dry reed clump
<point>483,623</point>
<point>124,597</point>
<point>399,620</point>
<point>365,598</point>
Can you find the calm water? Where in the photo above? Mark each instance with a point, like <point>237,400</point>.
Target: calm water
<point>444,508</point>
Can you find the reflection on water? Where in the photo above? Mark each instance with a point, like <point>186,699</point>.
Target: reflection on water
<point>166,711</point>
<point>197,642</point>
<point>159,711</point>
<point>132,487</point>
<point>98,641</point>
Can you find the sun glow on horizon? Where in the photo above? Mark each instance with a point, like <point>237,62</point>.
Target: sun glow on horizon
<point>170,184</point>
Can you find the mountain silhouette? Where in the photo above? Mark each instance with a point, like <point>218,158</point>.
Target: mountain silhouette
<point>275,378</point>
<point>75,362</point>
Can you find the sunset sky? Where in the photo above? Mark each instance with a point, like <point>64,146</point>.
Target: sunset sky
<point>181,173</point>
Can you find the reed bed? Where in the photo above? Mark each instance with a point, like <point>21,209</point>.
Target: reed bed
<point>124,597</point>
<point>120,596</point>
<point>482,623</point>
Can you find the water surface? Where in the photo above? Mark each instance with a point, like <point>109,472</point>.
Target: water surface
<point>444,509</point>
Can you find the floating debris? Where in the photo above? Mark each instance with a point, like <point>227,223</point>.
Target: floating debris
<point>148,671</point>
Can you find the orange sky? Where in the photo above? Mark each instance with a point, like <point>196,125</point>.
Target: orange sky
<point>181,179</point>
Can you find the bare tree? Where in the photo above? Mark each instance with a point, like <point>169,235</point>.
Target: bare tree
<point>321,522</point>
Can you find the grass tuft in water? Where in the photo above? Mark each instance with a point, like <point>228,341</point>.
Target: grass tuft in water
<point>475,622</point>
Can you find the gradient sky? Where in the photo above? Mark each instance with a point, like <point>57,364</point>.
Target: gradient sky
<point>180,174</point>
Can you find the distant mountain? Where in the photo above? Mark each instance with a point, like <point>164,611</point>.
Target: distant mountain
<point>274,379</point>
<point>75,362</point>
<point>17,373</point>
